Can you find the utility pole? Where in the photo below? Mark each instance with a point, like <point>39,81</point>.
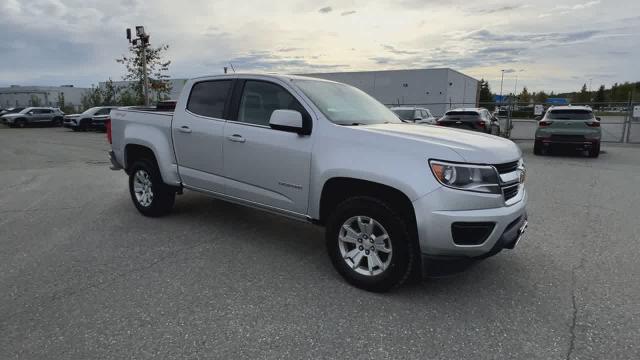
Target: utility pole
<point>142,42</point>
<point>501,83</point>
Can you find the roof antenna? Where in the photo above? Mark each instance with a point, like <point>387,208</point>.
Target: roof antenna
<point>232,68</point>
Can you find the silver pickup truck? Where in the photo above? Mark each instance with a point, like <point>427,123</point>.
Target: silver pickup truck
<point>391,195</point>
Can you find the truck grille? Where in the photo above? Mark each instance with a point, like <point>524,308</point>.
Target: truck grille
<point>507,167</point>
<point>510,191</point>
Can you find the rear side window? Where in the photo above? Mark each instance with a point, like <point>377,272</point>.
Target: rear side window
<point>208,98</point>
<point>260,99</point>
<point>577,114</point>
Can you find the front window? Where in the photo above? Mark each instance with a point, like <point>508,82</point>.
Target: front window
<point>24,111</point>
<point>570,114</point>
<point>345,105</point>
<point>91,110</point>
<point>404,114</point>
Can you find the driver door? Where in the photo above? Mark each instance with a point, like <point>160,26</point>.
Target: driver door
<point>262,165</point>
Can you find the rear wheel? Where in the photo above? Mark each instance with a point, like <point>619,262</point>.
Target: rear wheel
<point>594,152</point>
<point>537,148</point>
<point>56,122</point>
<point>369,244</point>
<point>151,196</point>
<point>21,123</point>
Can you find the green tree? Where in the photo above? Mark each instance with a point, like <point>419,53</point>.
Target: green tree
<point>35,101</point>
<point>126,98</point>
<point>157,68</point>
<point>109,93</point>
<point>485,92</point>
<point>61,103</point>
<point>584,96</point>
<point>524,96</point>
<point>92,97</point>
<point>540,97</point>
<point>600,96</point>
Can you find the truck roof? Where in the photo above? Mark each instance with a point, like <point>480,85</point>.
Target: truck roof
<point>570,107</point>
<point>284,77</point>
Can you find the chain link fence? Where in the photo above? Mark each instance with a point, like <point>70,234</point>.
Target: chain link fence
<point>519,121</point>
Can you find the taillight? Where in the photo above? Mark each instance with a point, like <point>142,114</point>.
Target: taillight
<point>107,124</point>
<point>481,124</point>
<point>545,123</point>
<point>593,124</point>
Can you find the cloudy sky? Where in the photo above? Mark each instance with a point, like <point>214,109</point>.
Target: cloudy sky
<point>552,45</point>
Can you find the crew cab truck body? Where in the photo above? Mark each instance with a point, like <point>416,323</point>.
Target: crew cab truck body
<point>390,194</point>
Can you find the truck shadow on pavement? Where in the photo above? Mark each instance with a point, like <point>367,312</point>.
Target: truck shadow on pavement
<point>288,239</point>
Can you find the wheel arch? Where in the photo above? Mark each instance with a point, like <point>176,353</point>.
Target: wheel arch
<point>338,189</point>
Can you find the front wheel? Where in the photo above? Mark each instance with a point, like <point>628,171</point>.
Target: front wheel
<point>151,196</point>
<point>369,244</point>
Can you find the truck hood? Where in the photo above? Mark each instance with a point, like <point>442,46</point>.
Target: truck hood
<point>473,147</point>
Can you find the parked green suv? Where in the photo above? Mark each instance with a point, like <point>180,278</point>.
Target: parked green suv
<point>571,126</point>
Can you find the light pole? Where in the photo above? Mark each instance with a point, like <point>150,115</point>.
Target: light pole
<point>501,83</point>
<point>143,40</point>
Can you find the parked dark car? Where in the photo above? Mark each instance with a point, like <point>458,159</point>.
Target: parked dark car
<point>475,119</point>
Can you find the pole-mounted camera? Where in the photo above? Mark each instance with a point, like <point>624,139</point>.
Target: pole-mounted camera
<point>142,41</point>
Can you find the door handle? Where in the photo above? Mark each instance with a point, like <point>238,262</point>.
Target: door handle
<point>236,138</point>
<point>184,129</point>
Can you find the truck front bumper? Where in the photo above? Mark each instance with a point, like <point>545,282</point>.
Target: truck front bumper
<point>498,228</point>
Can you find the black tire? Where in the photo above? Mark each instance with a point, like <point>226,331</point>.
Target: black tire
<point>537,148</point>
<point>163,195</point>
<point>595,151</point>
<point>56,122</point>
<point>83,125</point>
<point>403,254</point>
<point>21,123</point>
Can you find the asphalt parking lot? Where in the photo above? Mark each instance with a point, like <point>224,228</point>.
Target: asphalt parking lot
<point>84,276</point>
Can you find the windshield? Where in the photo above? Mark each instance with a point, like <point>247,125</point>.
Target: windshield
<point>91,110</point>
<point>25,110</point>
<point>345,105</point>
<point>14,110</point>
<point>572,114</point>
<point>404,114</point>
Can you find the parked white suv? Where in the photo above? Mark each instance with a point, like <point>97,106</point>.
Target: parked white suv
<point>391,195</point>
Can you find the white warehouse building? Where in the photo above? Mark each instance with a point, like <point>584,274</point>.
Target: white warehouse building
<point>436,89</point>
<point>24,96</point>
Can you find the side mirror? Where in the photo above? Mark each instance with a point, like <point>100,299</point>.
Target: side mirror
<point>287,120</point>
<point>30,113</point>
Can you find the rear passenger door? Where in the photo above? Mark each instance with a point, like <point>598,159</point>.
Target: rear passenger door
<point>198,135</point>
<point>265,166</point>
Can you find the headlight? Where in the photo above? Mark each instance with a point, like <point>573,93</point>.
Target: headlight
<point>478,178</point>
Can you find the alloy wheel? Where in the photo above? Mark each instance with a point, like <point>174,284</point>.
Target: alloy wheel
<point>365,245</point>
